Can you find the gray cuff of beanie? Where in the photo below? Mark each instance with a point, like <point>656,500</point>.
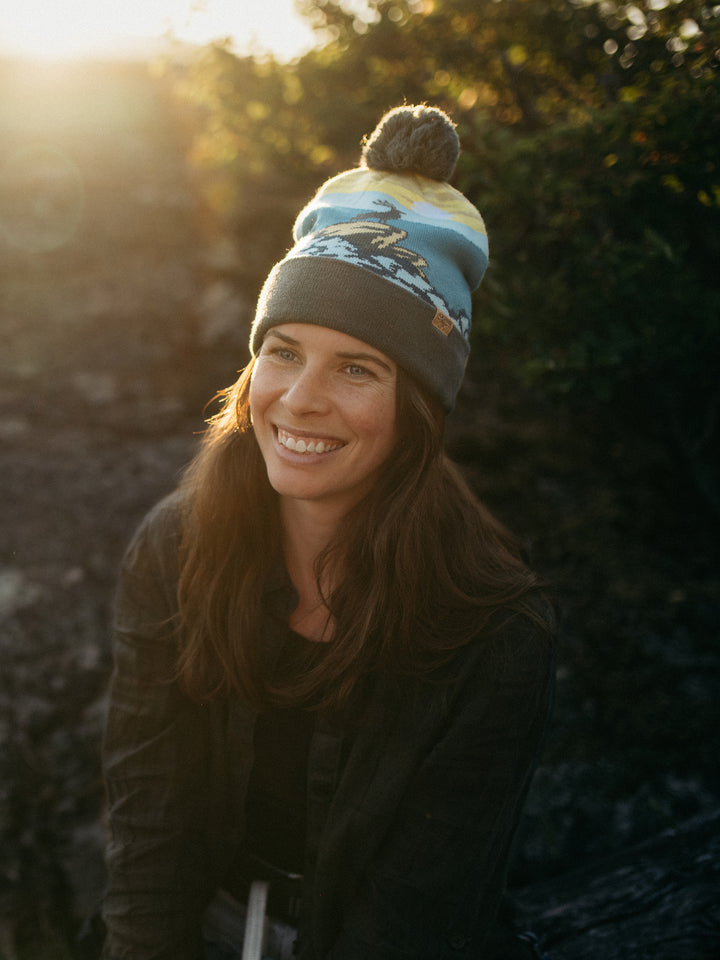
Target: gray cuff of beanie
<point>342,296</point>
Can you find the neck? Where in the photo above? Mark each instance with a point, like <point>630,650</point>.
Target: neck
<point>307,529</point>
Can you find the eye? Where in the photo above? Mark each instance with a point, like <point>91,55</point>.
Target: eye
<point>357,370</point>
<point>279,352</point>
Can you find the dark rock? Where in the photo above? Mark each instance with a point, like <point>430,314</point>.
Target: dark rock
<point>658,900</point>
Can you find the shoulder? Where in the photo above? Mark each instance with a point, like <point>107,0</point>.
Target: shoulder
<point>501,678</point>
<point>519,645</point>
<point>159,533</point>
<point>509,667</point>
<point>514,638</point>
<point>150,566</point>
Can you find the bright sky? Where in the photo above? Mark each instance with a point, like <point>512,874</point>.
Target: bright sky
<point>70,28</point>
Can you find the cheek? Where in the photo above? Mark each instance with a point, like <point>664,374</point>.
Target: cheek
<point>378,423</point>
<point>257,397</point>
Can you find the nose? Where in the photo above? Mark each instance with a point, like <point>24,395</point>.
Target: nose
<point>308,392</point>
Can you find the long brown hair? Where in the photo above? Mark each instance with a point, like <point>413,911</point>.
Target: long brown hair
<point>425,565</point>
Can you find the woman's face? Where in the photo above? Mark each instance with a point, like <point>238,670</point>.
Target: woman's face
<point>323,407</point>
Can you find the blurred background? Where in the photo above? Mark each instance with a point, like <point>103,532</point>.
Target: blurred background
<point>152,161</point>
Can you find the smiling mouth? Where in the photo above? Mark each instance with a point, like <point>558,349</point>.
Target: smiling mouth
<point>306,444</point>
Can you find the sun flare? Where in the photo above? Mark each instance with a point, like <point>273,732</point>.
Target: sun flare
<point>70,29</point>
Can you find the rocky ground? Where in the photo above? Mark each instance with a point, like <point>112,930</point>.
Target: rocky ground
<point>118,320</point>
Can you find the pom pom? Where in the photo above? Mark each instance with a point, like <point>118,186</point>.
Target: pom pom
<point>413,140</point>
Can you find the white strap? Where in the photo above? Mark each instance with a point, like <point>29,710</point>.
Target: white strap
<point>254,939</point>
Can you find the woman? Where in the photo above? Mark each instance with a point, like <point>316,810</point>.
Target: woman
<point>333,668</point>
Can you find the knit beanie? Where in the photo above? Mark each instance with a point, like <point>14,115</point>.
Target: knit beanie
<point>389,253</point>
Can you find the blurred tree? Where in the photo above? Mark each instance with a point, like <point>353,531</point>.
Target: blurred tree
<point>252,143</point>
<point>524,62</point>
<point>604,284</point>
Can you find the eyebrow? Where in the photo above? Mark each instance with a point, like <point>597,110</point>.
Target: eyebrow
<point>342,355</point>
<point>372,357</point>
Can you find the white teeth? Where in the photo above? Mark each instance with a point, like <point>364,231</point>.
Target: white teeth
<point>306,446</point>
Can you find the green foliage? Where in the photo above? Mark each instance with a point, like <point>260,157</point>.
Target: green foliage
<point>248,119</point>
<point>528,64</point>
<point>523,62</point>
<point>605,242</point>
<point>604,285</point>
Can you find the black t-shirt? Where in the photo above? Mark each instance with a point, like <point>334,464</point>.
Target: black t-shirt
<point>276,804</point>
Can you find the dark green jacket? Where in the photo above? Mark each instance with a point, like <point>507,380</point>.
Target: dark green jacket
<point>409,821</point>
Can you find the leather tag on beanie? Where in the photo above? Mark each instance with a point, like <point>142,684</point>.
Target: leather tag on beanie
<point>442,322</point>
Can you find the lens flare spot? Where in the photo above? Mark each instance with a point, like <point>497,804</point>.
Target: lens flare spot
<point>42,198</point>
